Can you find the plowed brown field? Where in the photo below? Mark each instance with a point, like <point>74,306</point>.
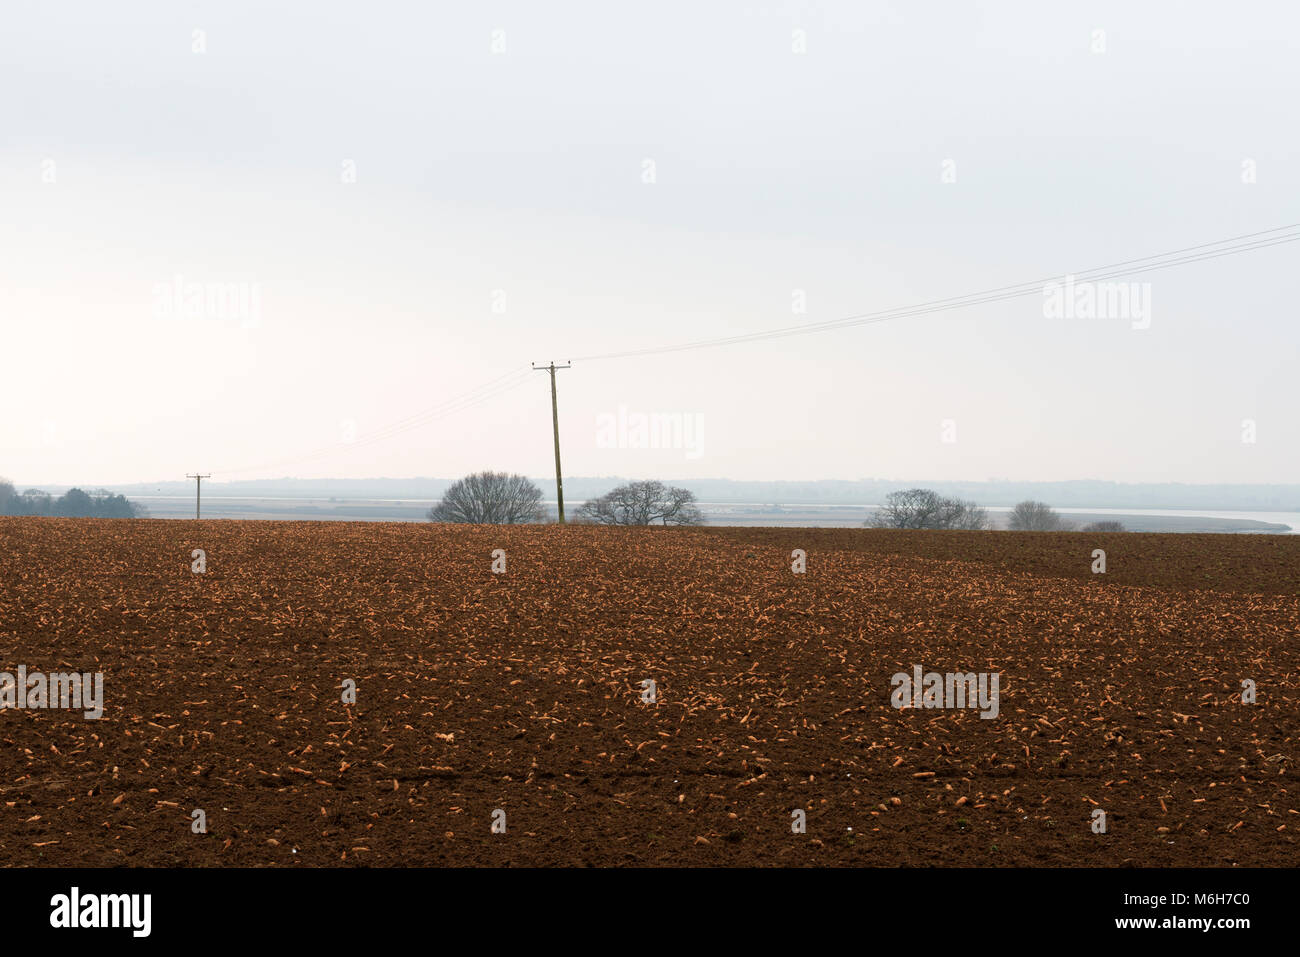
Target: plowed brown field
<point>522,692</point>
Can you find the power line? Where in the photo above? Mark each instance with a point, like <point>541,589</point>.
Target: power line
<point>489,390</point>
<point>1142,264</point>
<point>507,382</point>
<point>392,432</point>
<point>923,309</point>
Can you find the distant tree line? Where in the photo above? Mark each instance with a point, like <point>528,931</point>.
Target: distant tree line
<point>1030,516</point>
<point>925,508</point>
<point>74,503</point>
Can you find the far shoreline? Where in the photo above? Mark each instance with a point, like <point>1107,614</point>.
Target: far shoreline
<point>716,513</point>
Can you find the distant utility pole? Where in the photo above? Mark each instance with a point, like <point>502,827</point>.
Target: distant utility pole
<point>198,490</point>
<point>555,422</point>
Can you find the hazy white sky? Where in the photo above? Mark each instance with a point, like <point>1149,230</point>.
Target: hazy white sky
<point>413,199</point>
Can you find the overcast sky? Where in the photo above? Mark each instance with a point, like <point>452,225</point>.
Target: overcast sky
<point>369,209</point>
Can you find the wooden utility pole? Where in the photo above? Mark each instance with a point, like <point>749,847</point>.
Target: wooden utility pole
<point>555,422</point>
<point>198,490</point>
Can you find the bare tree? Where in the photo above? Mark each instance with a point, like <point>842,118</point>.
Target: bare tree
<point>489,498</point>
<point>923,508</point>
<point>963,515</point>
<point>1107,526</point>
<point>1030,516</point>
<point>643,503</point>
<point>913,508</point>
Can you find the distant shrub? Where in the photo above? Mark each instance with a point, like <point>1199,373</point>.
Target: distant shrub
<point>1033,516</point>
<point>1108,526</point>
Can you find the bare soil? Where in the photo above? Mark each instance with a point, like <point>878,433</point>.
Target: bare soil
<point>523,692</point>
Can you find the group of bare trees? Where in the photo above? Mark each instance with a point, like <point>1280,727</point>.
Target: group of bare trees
<point>924,508</point>
<point>496,498</point>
